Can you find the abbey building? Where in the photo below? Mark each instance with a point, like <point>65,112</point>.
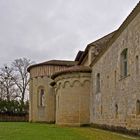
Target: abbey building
<point>100,87</point>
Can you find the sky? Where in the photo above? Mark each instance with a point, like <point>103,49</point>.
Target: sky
<point>42,30</point>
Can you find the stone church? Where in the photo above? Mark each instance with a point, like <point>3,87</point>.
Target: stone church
<point>100,87</point>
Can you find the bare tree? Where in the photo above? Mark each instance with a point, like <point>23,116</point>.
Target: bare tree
<point>7,85</point>
<point>2,90</point>
<point>20,75</point>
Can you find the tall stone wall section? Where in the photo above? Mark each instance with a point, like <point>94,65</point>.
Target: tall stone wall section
<point>47,112</point>
<point>40,79</point>
<point>72,99</point>
<point>116,90</point>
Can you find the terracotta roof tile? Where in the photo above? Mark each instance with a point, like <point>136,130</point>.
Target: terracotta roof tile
<point>73,69</point>
<point>55,63</point>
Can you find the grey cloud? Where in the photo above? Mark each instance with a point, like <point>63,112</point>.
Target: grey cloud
<point>47,29</point>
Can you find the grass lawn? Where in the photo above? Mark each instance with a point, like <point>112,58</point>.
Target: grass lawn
<point>36,131</point>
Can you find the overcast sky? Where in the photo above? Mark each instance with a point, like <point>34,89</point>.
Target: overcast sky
<point>56,29</point>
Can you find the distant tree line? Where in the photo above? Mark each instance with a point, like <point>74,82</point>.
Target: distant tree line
<point>14,80</point>
<point>13,107</point>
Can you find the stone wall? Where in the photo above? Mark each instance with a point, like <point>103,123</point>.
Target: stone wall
<point>123,92</point>
<point>44,113</point>
<point>40,79</point>
<point>72,98</point>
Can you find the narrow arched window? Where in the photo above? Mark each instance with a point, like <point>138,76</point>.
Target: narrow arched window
<point>101,109</point>
<point>137,65</point>
<point>138,107</point>
<point>98,86</point>
<point>124,63</point>
<point>58,102</point>
<point>116,110</point>
<point>41,98</point>
<point>115,78</point>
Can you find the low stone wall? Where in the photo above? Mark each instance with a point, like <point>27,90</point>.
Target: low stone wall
<point>14,118</point>
<point>119,129</point>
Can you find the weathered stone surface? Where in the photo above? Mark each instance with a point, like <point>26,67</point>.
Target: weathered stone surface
<point>40,78</point>
<point>72,98</point>
<point>116,90</point>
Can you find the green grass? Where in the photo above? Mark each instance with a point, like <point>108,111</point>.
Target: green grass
<point>36,131</point>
